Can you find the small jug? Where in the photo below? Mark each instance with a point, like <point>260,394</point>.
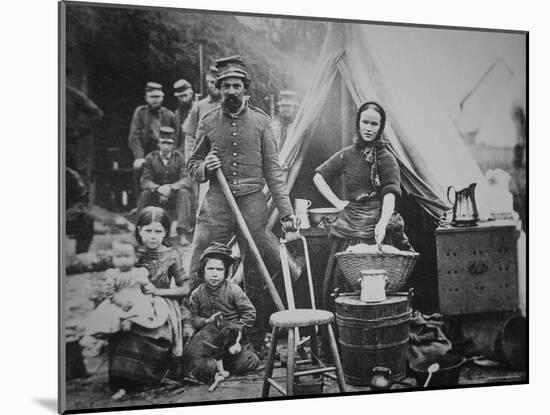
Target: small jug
<point>464,206</point>
<point>381,378</point>
<point>373,285</point>
<point>300,207</point>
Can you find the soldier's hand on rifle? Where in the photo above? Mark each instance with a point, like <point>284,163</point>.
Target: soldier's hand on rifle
<point>212,161</point>
<point>290,223</point>
<point>138,163</point>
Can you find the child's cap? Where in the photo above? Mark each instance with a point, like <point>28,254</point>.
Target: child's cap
<point>219,251</point>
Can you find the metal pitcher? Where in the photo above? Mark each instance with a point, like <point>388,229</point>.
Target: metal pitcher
<point>464,206</point>
<point>300,208</point>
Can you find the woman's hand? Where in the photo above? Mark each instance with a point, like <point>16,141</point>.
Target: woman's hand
<point>341,204</point>
<point>380,232</point>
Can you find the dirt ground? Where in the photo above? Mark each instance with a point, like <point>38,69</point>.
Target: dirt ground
<point>92,391</point>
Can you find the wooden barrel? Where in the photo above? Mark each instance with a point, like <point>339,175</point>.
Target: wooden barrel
<point>373,334</point>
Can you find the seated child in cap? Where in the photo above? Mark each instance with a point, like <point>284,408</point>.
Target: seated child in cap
<point>217,298</point>
<point>128,300</point>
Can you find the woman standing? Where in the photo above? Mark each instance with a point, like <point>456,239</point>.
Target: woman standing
<point>371,184</point>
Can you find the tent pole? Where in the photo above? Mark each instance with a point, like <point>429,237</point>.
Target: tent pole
<point>344,126</point>
<point>291,178</point>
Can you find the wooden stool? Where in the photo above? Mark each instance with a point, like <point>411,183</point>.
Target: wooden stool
<point>293,319</point>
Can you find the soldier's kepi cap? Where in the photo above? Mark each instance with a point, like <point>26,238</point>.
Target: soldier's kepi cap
<point>154,89</point>
<point>180,86</point>
<point>166,133</point>
<point>219,251</point>
<point>232,66</point>
<point>288,97</point>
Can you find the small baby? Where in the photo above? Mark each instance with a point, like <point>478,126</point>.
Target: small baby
<point>126,289</point>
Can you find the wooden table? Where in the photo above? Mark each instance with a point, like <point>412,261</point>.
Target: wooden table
<point>319,250</point>
<point>477,267</point>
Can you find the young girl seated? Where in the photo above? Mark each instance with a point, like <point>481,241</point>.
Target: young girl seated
<point>144,356</point>
<point>128,301</point>
<point>216,297</point>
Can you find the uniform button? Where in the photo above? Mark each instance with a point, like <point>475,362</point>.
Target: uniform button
<point>233,124</point>
<point>234,164</point>
<point>234,182</point>
<point>234,154</point>
<point>234,144</point>
<point>234,173</point>
<point>234,134</point>
<point>234,192</point>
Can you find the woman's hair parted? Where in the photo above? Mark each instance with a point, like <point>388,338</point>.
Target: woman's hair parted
<point>365,106</point>
<point>153,214</point>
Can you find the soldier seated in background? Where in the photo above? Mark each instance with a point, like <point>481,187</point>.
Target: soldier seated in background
<point>145,127</point>
<point>165,183</point>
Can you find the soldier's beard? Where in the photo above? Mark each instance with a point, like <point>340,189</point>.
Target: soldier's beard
<point>185,105</point>
<point>232,103</point>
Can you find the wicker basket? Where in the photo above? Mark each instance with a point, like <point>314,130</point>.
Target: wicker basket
<point>398,267</point>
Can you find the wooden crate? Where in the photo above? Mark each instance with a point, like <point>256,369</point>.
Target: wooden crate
<point>477,268</point>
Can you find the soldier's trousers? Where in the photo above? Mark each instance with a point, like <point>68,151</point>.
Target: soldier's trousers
<point>181,206</point>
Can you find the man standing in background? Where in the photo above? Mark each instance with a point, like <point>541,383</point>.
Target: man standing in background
<point>184,93</point>
<point>287,109</point>
<point>211,101</point>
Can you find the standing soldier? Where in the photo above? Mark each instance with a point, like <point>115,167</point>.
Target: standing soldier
<point>212,100</point>
<point>287,106</point>
<point>145,128</point>
<point>184,93</point>
<point>237,138</point>
<point>186,223</point>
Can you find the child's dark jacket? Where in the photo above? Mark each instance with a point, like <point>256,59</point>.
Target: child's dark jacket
<point>228,298</point>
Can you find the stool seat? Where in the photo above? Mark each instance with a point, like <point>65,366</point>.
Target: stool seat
<point>301,318</point>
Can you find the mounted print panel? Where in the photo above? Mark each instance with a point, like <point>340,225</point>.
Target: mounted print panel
<point>261,206</point>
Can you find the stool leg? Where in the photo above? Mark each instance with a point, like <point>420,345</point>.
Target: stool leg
<point>270,361</point>
<point>291,363</point>
<point>336,358</point>
<point>314,346</point>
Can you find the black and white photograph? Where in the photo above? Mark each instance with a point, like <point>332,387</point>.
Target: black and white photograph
<point>258,207</point>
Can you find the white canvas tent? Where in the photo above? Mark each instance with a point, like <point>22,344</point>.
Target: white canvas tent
<point>499,129</point>
<point>373,67</point>
<point>486,112</point>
